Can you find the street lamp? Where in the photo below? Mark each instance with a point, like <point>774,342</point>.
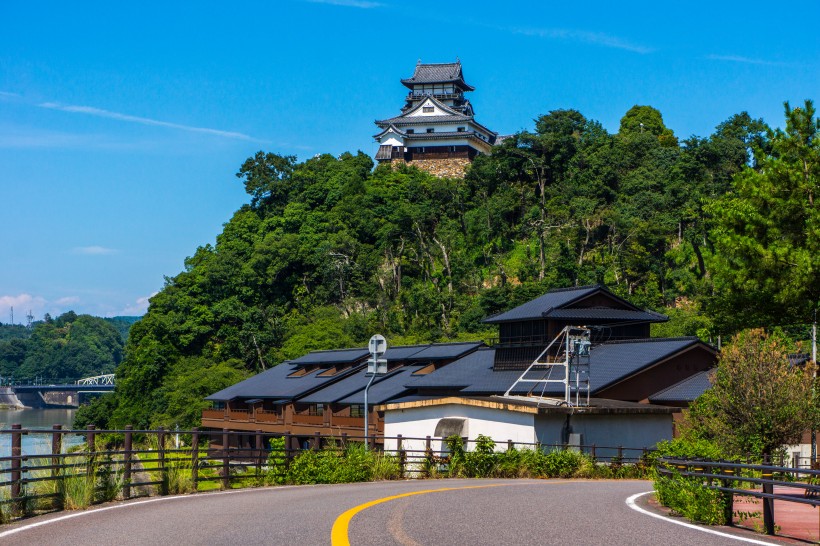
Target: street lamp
<point>376,365</point>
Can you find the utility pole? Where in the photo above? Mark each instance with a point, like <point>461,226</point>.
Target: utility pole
<point>814,385</point>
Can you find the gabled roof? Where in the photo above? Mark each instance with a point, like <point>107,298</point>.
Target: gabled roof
<point>388,128</point>
<point>609,363</point>
<point>275,384</point>
<point>438,73</point>
<point>421,120</point>
<point>406,115</point>
<point>339,356</point>
<point>684,391</point>
<point>553,304</point>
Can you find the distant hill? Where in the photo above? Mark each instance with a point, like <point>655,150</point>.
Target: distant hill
<point>122,324</point>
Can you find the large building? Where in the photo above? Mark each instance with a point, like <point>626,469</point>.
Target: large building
<point>436,130</point>
<point>322,392</point>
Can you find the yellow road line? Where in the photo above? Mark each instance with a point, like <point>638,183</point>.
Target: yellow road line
<point>339,533</point>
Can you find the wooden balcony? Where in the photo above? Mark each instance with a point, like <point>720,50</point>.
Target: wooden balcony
<point>350,422</point>
<point>264,416</point>
<point>213,414</point>
<point>239,415</point>
<point>304,419</point>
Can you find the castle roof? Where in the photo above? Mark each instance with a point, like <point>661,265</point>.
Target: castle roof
<point>438,73</point>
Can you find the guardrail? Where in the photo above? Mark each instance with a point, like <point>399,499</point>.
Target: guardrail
<point>730,477</point>
<point>129,463</point>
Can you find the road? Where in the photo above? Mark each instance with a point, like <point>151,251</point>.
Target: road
<point>450,512</point>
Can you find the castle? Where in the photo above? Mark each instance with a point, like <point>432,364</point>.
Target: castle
<point>436,130</point>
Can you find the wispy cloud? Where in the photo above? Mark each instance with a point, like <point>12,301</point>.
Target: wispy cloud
<point>93,250</point>
<point>744,60</point>
<point>594,38</point>
<point>139,307</point>
<point>362,4</point>
<point>99,112</point>
<point>67,300</point>
<point>22,304</point>
<point>9,95</point>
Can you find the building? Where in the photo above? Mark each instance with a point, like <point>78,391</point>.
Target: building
<point>322,392</point>
<point>436,130</point>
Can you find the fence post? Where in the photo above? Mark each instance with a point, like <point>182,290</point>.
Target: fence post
<point>90,441</point>
<point>287,445</point>
<point>344,440</point>
<point>510,445</point>
<point>401,454</point>
<point>428,454</point>
<point>163,488</point>
<point>195,457</point>
<point>592,453</point>
<point>16,465</point>
<point>259,452</point>
<point>226,469</point>
<point>620,454</point>
<point>56,449</point>
<point>126,462</point>
<point>768,504</point>
<point>317,439</point>
<point>728,498</point>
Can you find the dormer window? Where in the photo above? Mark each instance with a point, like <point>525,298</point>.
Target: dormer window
<point>427,109</point>
<point>430,130</point>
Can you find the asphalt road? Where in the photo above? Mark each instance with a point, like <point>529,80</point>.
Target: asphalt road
<point>496,512</point>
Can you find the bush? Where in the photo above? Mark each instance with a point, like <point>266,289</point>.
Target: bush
<point>687,496</point>
<point>354,463</point>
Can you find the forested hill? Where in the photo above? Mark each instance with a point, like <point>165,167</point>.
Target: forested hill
<point>66,348</point>
<point>331,250</point>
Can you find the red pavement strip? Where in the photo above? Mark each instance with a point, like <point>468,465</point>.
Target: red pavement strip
<point>795,520</point>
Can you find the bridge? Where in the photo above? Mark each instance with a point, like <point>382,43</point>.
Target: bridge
<point>66,395</point>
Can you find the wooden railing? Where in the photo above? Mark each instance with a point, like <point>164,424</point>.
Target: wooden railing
<point>213,414</point>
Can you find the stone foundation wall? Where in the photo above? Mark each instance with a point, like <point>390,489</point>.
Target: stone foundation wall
<point>454,167</point>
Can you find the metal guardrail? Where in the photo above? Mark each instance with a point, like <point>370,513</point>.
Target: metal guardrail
<point>730,477</point>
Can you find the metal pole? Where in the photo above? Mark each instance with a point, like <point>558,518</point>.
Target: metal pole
<point>366,423</point>
<point>814,360</point>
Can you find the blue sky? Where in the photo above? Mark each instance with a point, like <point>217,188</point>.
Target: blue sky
<point>122,124</point>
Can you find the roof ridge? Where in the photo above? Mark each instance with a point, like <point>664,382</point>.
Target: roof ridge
<point>650,340</point>
<point>573,288</point>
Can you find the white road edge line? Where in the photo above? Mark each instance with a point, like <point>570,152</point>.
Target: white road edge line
<point>129,504</point>
<point>631,503</point>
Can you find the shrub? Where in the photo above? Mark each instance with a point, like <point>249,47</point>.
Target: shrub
<point>277,472</point>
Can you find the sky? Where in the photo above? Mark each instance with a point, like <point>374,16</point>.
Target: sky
<point>122,125</point>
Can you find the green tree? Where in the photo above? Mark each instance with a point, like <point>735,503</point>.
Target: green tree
<point>758,401</point>
<point>767,232</point>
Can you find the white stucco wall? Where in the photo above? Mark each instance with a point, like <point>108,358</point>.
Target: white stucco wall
<point>628,430</point>
<point>500,425</point>
<point>391,138</point>
<point>420,112</point>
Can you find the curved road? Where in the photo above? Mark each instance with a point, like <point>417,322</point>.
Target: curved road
<point>459,512</point>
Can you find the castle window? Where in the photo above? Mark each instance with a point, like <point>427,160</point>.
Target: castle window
<point>460,129</point>
<point>410,131</point>
<point>430,130</point>
<point>427,109</point>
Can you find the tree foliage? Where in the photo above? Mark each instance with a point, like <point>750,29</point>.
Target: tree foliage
<point>758,401</point>
<point>329,251</point>
<point>69,347</point>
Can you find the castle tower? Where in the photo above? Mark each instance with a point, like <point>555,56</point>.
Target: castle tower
<point>436,130</point>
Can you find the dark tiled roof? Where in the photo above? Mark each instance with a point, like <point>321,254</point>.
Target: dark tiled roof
<point>438,73</point>
<point>553,303</point>
<point>614,361</point>
<point>605,313</point>
<point>609,363</point>
<point>383,390</point>
<point>354,384</point>
<point>442,351</point>
<point>421,120</point>
<point>275,383</point>
<point>536,308</point>
<point>340,356</point>
<point>444,134</point>
<point>685,391</point>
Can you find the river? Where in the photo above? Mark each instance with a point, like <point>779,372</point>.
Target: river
<point>36,419</point>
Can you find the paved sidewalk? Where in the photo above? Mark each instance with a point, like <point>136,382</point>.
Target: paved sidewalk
<point>792,519</point>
